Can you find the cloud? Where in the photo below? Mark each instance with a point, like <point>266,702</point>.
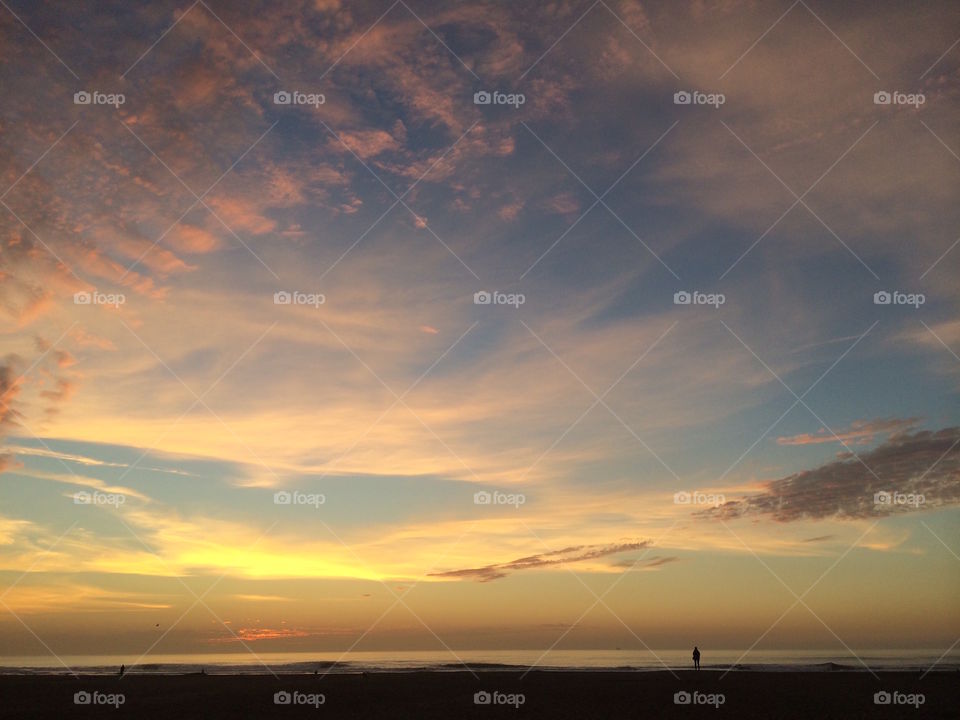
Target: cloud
<point>86,339</point>
<point>71,457</point>
<point>30,278</point>
<point>860,432</point>
<point>254,634</point>
<point>652,564</point>
<point>923,463</point>
<point>10,384</point>
<point>192,239</point>
<point>564,204</point>
<point>366,143</point>
<point>242,214</point>
<point>62,391</point>
<point>511,210</point>
<point>262,598</point>
<point>568,555</point>
<point>67,596</point>
<point>9,389</point>
<point>11,529</point>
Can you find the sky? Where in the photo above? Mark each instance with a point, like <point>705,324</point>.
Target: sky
<point>520,326</point>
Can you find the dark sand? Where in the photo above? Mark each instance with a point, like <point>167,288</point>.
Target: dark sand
<point>555,695</point>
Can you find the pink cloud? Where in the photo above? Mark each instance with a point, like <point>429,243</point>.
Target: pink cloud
<point>368,143</point>
<point>83,338</point>
<point>149,254</point>
<point>510,211</point>
<point>192,239</point>
<point>241,214</point>
<point>564,204</point>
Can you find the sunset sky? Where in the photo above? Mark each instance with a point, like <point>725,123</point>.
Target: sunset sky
<point>182,397</point>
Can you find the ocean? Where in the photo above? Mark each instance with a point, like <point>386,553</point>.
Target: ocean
<point>479,660</point>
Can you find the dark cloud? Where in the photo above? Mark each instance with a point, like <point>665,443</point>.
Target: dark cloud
<point>819,538</point>
<point>577,553</point>
<point>659,561</point>
<point>10,382</point>
<point>54,389</point>
<point>923,463</point>
<point>654,562</point>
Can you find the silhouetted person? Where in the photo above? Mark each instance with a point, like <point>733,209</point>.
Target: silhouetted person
<point>696,658</point>
<point>123,669</point>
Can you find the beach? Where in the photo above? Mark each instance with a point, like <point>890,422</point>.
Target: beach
<point>542,694</point>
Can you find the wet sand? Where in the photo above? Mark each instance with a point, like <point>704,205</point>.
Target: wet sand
<point>544,694</point>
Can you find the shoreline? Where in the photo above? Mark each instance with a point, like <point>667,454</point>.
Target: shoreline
<point>455,694</point>
<point>245,671</point>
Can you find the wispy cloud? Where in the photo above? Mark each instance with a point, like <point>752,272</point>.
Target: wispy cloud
<point>860,432</point>
<point>923,463</point>
<point>553,558</point>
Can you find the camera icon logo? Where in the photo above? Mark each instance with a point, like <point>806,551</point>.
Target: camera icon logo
<point>482,698</point>
<point>282,298</point>
<point>882,498</point>
<point>682,698</point>
<point>482,498</point>
<point>82,298</point>
<point>682,298</point>
<point>482,97</point>
<point>82,498</point>
<point>681,498</point>
<point>881,297</point>
<point>82,698</point>
<point>282,498</point>
<point>882,97</point>
<point>682,98</point>
<point>482,298</point>
<point>282,698</point>
<point>82,98</point>
<point>282,98</point>
<point>882,698</point>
